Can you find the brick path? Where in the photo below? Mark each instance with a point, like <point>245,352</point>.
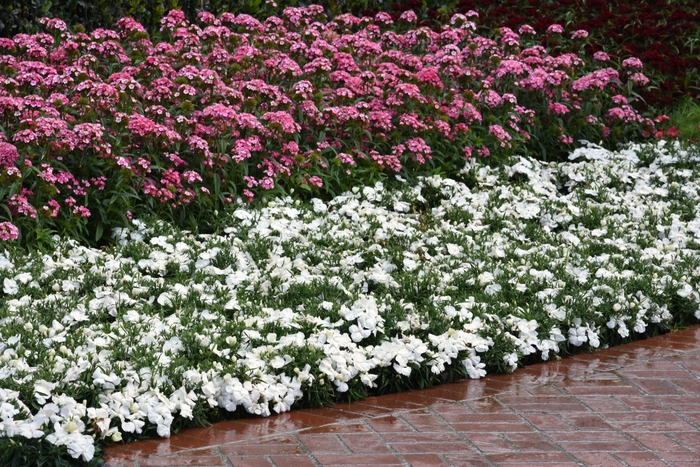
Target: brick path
<point>633,405</point>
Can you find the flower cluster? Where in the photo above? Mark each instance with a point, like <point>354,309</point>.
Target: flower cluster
<point>379,289</point>
<point>663,38</point>
<point>99,124</point>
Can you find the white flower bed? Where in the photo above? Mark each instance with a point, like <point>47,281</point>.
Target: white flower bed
<point>376,289</point>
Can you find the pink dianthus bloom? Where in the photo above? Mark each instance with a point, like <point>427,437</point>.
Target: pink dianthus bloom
<point>468,152</point>
<point>8,231</point>
<point>345,158</point>
<point>633,63</point>
<point>383,17</point>
<point>420,150</point>
<point>639,78</point>
<point>408,16</point>
<point>555,29</point>
<point>283,119</point>
<point>8,154</point>
<point>52,208</point>
<point>316,181</point>
<point>81,211</point>
<point>500,134</point>
<point>557,108</point>
<point>20,205</point>
<point>53,24</point>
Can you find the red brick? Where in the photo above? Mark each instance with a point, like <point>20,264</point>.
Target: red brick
<point>389,424</point>
<point>426,422</point>
<point>425,460</point>
<point>527,442</point>
<point>530,458</point>
<point>293,461</point>
<point>252,449</point>
<point>488,427</point>
<point>249,461</point>
<point>587,422</point>
<point>598,459</point>
<point>326,443</point>
<point>658,442</point>
<point>641,459</point>
<point>181,461</point>
<point>594,446</point>
<point>357,459</point>
<point>546,422</point>
<point>364,443</point>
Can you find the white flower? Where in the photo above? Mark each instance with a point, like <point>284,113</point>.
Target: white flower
<point>577,333</point>
<point>165,299</point>
<point>474,367</point>
<point>685,291</point>
<point>409,264</point>
<point>511,359</point>
<point>485,278</point>
<point>10,286</point>
<point>69,434</point>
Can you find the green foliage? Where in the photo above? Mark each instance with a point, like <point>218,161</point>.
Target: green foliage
<point>686,119</point>
<point>22,452</point>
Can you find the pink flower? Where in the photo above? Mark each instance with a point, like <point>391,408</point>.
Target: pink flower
<point>173,19</point>
<point>20,205</point>
<point>316,181</point>
<point>429,75</point>
<point>191,176</point>
<point>408,16</point>
<point>420,151</point>
<point>281,120</point>
<point>580,34</point>
<point>53,24</point>
<point>81,211</point>
<point>501,134</point>
<point>345,158</point>
<point>468,152</point>
<point>633,63</point>
<point>52,208</point>
<point>601,56</point>
<point>8,231</point>
<point>8,154</point>
<point>558,108</point>
<point>639,78</point>
<point>492,98</point>
<point>598,79</point>
<point>555,29</point>
<point>566,139</point>
<point>383,18</point>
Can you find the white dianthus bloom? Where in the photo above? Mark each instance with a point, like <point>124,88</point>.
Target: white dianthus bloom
<point>512,360</point>
<point>485,278</point>
<point>577,333</point>
<point>10,286</point>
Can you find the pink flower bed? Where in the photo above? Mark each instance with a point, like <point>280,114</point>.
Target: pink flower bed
<point>97,126</point>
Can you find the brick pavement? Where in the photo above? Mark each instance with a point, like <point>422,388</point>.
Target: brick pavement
<point>633,405</point>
